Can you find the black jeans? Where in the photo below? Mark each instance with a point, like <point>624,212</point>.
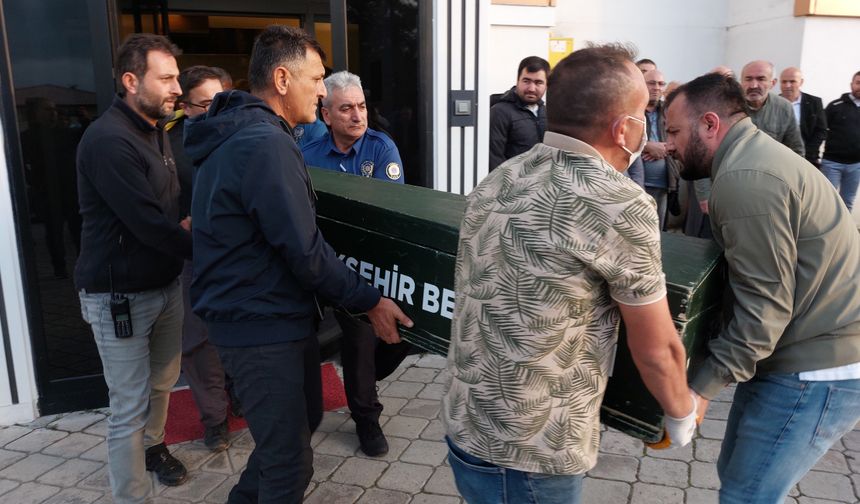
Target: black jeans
<point>281,393</point>
<point>365,359</point>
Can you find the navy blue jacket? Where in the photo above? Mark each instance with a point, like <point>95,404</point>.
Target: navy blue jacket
<point>259,258</point>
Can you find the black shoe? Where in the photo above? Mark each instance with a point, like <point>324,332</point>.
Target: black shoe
<point>166,467</point>
<point>217,438</point>
<point>371,439</point>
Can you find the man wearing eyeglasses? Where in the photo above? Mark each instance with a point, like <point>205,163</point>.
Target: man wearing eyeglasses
<point>661,170</point>
<point>200,363</point>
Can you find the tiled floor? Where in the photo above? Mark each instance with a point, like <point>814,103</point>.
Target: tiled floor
<point>61,459</point>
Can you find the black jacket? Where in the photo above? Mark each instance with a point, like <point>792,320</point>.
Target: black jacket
<point>843,131</point>
<point>259,258</point>
<point>129,199</point>
<point>514,128</point>
<point>813,126</point>
<point>184,168</point>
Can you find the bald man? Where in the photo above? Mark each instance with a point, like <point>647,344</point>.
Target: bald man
<point>808,111</point>
<point>769,112</point>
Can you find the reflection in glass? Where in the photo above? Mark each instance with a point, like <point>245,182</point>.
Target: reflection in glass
<point>55,98</point>
<point>383,51</point>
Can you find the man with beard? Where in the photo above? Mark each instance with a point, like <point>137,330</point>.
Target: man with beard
<point>769,112</point>
<point>793,341</point>
<point>132,248</point>
<point>518,118</point>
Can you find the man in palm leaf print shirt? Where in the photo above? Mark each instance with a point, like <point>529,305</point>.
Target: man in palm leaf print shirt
<point>553,248</point>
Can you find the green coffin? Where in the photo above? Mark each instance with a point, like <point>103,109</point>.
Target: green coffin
<point>403,240</point>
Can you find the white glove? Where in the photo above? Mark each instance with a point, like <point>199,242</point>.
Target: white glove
<point>678,432</point>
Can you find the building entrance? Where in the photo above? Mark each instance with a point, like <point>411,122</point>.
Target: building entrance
<point>61,80</point>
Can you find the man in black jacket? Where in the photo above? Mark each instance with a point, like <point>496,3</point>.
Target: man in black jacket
<point>132,247</point>
<point>518,118</point>
<point>841,164</point>
<point>260,262</point>
<point>809,112</point>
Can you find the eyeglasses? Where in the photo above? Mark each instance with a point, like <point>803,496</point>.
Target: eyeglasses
<point>203,106</point>
<point>656,83</point>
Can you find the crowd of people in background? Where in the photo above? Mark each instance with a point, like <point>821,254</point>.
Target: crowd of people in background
<point>828,137</point>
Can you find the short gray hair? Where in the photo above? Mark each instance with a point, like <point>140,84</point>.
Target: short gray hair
<point>339,81</point>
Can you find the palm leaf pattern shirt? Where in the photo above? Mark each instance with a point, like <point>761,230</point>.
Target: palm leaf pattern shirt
<point>549,242</point>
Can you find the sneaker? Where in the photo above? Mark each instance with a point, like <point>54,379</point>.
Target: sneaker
<point>217,437</point>
<point>371,439</point>
<point>166,467</point>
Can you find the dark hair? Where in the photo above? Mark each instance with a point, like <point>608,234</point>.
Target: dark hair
<point>646,60</point>
<point>712,92</point>
<point>587,89</point>
<point>224,75</point>
<point>533,64</point>
<point>192,77</point>
<point>131,55</point>
<point>278,45</point>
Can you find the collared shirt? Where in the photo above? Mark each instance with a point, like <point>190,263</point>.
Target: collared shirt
<point>796,105</point>
<point>305,133</point>
<point>550,244</point>
<point>373,155</point>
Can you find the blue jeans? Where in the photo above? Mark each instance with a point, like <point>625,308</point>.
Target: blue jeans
<point>660,195</point>
<point>844,177</point>
<point>777,430</point>
<point>140,372</point>
<point>480,482</point>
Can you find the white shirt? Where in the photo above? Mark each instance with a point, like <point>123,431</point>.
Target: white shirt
<point>796,106</point>
<point>849,372</point>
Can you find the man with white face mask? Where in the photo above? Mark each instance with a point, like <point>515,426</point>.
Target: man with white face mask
<point>545,266</point>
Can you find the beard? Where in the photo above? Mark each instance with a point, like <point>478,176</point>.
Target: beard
<point>153,106</point>
<point>696,159</point>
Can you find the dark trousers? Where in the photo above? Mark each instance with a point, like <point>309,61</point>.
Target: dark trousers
<point>281,393</point>
<point>365,359</point>
<point>201,366</point>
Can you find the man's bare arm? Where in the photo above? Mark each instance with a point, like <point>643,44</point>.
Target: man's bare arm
<point>659,355</point>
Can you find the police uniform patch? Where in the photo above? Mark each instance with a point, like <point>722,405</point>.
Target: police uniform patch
<point>367,168</point>
<point>393,171</point>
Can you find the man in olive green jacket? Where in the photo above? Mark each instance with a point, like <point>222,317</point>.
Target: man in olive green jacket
<point>793,342</point>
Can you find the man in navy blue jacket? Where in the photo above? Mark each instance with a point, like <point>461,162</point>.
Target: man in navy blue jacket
<point>260,262</point>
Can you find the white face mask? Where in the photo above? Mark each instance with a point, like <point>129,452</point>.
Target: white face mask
<point>635,155</point>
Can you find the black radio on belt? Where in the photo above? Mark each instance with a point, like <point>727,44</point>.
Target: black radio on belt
<point>120,311</point>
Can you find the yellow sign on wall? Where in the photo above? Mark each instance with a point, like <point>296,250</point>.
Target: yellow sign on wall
<point>559,47</point>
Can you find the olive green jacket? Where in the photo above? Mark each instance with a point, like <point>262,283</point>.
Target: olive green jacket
<point>793,253</point>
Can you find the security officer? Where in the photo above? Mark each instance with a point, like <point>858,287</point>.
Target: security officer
<point>351,147</point>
